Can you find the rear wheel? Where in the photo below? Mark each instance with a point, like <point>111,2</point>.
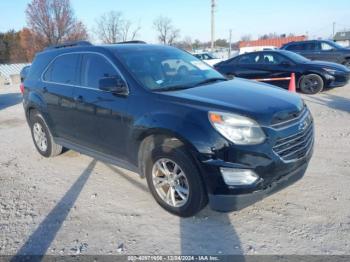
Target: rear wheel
<point>42,137</point>
<point>174,180</point>
<point>311,84</point>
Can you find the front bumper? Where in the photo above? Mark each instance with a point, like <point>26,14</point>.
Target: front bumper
<point>280,161</point>
<point>337,80</point>
<point>225,203</point>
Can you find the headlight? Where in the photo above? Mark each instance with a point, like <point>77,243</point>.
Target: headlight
<point>236,128</point>
<point>331,71</point>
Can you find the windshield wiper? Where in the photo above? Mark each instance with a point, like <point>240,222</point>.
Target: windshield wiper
<point>171,88</point>
<point>210,80</point>
<point>181,87</point>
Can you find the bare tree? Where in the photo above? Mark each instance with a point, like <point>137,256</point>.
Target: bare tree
<point>112,27</point>
<point>188,43</point>
<point>54,21</point>
<point>108,27</point>
<point>129,32</point>
<point>167,34</point>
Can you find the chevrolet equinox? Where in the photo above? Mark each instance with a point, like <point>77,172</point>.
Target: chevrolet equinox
<point>194,135</point>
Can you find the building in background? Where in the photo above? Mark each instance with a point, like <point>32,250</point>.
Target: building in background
<point>9,73</point>
<point>267,44</point>
<point>342,38</point>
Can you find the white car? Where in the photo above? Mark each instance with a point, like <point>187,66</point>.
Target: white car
<point>208,58</point>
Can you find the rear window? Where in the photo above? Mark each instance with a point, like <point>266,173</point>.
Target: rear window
<point>63,70</point>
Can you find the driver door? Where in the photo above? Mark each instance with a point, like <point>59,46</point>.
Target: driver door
<point>278,66</point>
<point>98,116</point>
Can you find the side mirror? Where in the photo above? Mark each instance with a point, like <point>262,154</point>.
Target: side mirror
<point>113,84</point>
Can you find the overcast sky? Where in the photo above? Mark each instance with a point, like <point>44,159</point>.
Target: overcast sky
<point>192,17</point>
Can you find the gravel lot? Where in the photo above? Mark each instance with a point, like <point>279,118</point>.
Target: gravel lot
<point>72,204</point>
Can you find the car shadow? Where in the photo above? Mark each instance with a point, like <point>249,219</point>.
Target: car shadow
<point>331,101</point>
<point>11,99</point>
<point>209,232</point>
<point>40,240</point>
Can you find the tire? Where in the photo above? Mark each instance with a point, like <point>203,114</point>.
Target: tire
<point>40,134</point>
<point>188,178</point>
<point>311,84</point>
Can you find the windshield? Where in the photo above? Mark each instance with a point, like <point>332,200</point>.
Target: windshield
<point>334,44</point>
<point>163,68</point>
<point>295,57</point>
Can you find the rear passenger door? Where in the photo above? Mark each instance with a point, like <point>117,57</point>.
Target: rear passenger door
<point>98,117</point>
<point>251,66</point>
<point>309,50</point>
<point>59,81</point>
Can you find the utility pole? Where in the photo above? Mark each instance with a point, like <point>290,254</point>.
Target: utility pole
<point>230,43</point>
<point>212,24</point>
<point>333,30</point>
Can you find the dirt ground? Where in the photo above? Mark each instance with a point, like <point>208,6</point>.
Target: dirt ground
<point>72,204</point>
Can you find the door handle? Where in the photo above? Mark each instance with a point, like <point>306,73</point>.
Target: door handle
<point>78,99</point>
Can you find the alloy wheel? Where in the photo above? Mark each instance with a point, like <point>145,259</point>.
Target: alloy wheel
<point>310,83</point>
<point>40,137</point>
<point>170,182</point>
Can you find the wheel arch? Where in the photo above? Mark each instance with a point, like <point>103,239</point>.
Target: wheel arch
<point>34,102</point>
<point>156,137</point>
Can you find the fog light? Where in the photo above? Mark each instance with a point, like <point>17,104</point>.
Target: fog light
<point>238,177</point>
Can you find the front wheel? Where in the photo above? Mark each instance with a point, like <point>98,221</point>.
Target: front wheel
<point>174,180</point>
<point>311,84</point>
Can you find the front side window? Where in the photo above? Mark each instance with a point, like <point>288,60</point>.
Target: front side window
<point>272,59</point>
<point>326,47</point>
<point>96,67</point>
<point>166,68</point>
<point>64,70</point>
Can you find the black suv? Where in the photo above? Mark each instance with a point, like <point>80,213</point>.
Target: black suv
<point>161,112</point>
<point>321,50</point>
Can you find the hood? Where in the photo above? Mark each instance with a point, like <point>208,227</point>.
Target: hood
<point>329,65</point>
<point>262,102</point>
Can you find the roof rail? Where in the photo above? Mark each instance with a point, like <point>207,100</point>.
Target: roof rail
<point>133,42</point>
<point>69,44</point>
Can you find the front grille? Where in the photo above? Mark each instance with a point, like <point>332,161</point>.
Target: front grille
<point>295,147</point>
<point>291,119</point>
